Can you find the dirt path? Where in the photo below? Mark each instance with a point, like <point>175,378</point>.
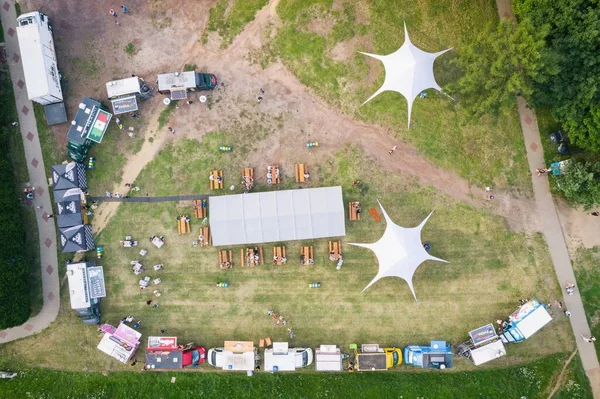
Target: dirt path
<point>561,376</point>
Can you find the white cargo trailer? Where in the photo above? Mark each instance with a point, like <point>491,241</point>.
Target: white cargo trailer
<point>39,58</point>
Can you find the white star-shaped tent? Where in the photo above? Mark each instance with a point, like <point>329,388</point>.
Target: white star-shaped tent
<point>408,71</point>
<point>399,251</point>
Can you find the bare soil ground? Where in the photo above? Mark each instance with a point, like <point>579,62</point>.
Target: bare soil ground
<point>166,35</point>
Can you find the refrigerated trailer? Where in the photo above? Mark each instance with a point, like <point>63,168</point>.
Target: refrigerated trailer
<point>38,58</point>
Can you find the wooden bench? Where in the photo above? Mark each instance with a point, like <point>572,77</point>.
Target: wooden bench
<point>215,184</point>
<point>183,224</point>
<point>335,250</point>
<point>225,259</point>
<point>307,256</point>
<point>354,210</point>
<point>279,257</point>
<point>250,257</point>
<point>274,173</point>
<point>301,171</point>
<point>247,178</point>
<point>200,208</point>
<point>207,239</point>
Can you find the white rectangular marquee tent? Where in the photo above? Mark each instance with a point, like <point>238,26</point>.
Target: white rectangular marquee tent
<point>277,216</point>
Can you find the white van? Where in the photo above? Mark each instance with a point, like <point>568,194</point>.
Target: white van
<point>234,356</point>
<point>282,358</point>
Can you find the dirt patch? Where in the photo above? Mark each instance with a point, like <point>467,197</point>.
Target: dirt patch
<point>345,50</point>
<point>321,25</point>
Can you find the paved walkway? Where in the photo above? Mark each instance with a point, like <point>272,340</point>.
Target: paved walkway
<point>553,232</point>
<point>152,199</point>
<point>38,179</point>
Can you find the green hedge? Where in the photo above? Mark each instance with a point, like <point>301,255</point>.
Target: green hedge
<point>15,278</point>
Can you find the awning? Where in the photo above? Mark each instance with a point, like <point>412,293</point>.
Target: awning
<point>124,105</point>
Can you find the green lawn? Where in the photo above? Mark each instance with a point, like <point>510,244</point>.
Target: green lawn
<point>229,17</point>
<point>319,42</point>
<point>587,273</point>
<point>531,380</point>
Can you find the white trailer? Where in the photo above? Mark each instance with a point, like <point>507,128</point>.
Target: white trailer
<point>39,58</point>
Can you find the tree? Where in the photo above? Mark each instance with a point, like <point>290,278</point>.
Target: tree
<point>580,183</point>
<point>505,61</point>
<point>573,34</point>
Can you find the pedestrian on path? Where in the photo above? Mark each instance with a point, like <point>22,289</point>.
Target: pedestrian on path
<point>15,123</point>
<point>50,216</point>
<point>39,207</point>
<point>567,313</point>
<point>541,171</point>
<point>261,91</point>
<point>260,99</point>
<point>595,213</point>
<point>189,102</point>
<point>394,148</point>
<point>490,197</point>
<point>488,189</point>
<point>589,339</point>
<point>171,130</point>
<point>125,9</point>
<point>112,12</point>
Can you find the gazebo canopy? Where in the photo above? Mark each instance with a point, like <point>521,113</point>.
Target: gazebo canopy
<point>399,251</point>
<point>408,71</point>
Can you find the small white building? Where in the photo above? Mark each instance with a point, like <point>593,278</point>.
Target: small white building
<point>328,358</point>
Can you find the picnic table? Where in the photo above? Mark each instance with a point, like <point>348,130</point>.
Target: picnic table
<point>216,179</point>
<point>248,179</point>
<point>254,257</point>
<point>225,259</point>
<point>200,208</point>
<point>307,256</point>
<point>335,250</point>
<point>205,238</point>
<point>301,172</point>
<point>273,174</point>
<point>279,257</point>
<point>183,224</point>
<point>354,210</point>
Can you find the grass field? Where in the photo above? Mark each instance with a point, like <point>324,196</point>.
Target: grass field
<point>319,40</point>
<point>585,264</point>
<point>532,380</point>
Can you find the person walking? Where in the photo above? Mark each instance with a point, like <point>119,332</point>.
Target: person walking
<point>260,99</point>
<point>125,9</point>
<point>595,213</point>
<point>50,216</point>
<point>171,130</point>
<point>394,148</point>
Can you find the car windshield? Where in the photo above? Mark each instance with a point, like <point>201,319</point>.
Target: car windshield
<point>213,358</point>
<point>395,357</point>
<point>304,358</point>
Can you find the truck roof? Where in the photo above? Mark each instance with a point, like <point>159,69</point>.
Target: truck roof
<point>168,81</point>
<point>36,49</point>
<point>122,87</point>
<point>370,361</point>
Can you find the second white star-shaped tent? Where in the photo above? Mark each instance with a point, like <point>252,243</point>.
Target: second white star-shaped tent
<point>408,71</point>
<point>399,252</point>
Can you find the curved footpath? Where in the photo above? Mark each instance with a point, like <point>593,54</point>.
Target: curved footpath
<point>37,176</point>
<point>553,231</point>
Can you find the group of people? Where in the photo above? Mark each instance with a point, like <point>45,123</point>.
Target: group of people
<point>333,257</point>
<point>137,267</point>
<point>270,174</point>
<point>212,177</point>
<point>247,183</point>
<point>252,258</point>
<point>279,259</point>
<point>570,288</point>
<point>279,321</point>
<point>225,265</point>
<point>306,261</point>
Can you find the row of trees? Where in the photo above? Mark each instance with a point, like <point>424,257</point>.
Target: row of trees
<point>15,278</point>
<point>550,57</point>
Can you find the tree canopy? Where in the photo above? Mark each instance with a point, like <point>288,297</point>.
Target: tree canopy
<point>581,183</point>
<point>573,36</point>
<point>506,60</point>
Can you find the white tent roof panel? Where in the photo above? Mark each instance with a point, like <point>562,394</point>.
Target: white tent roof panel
<point>277,216</point>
